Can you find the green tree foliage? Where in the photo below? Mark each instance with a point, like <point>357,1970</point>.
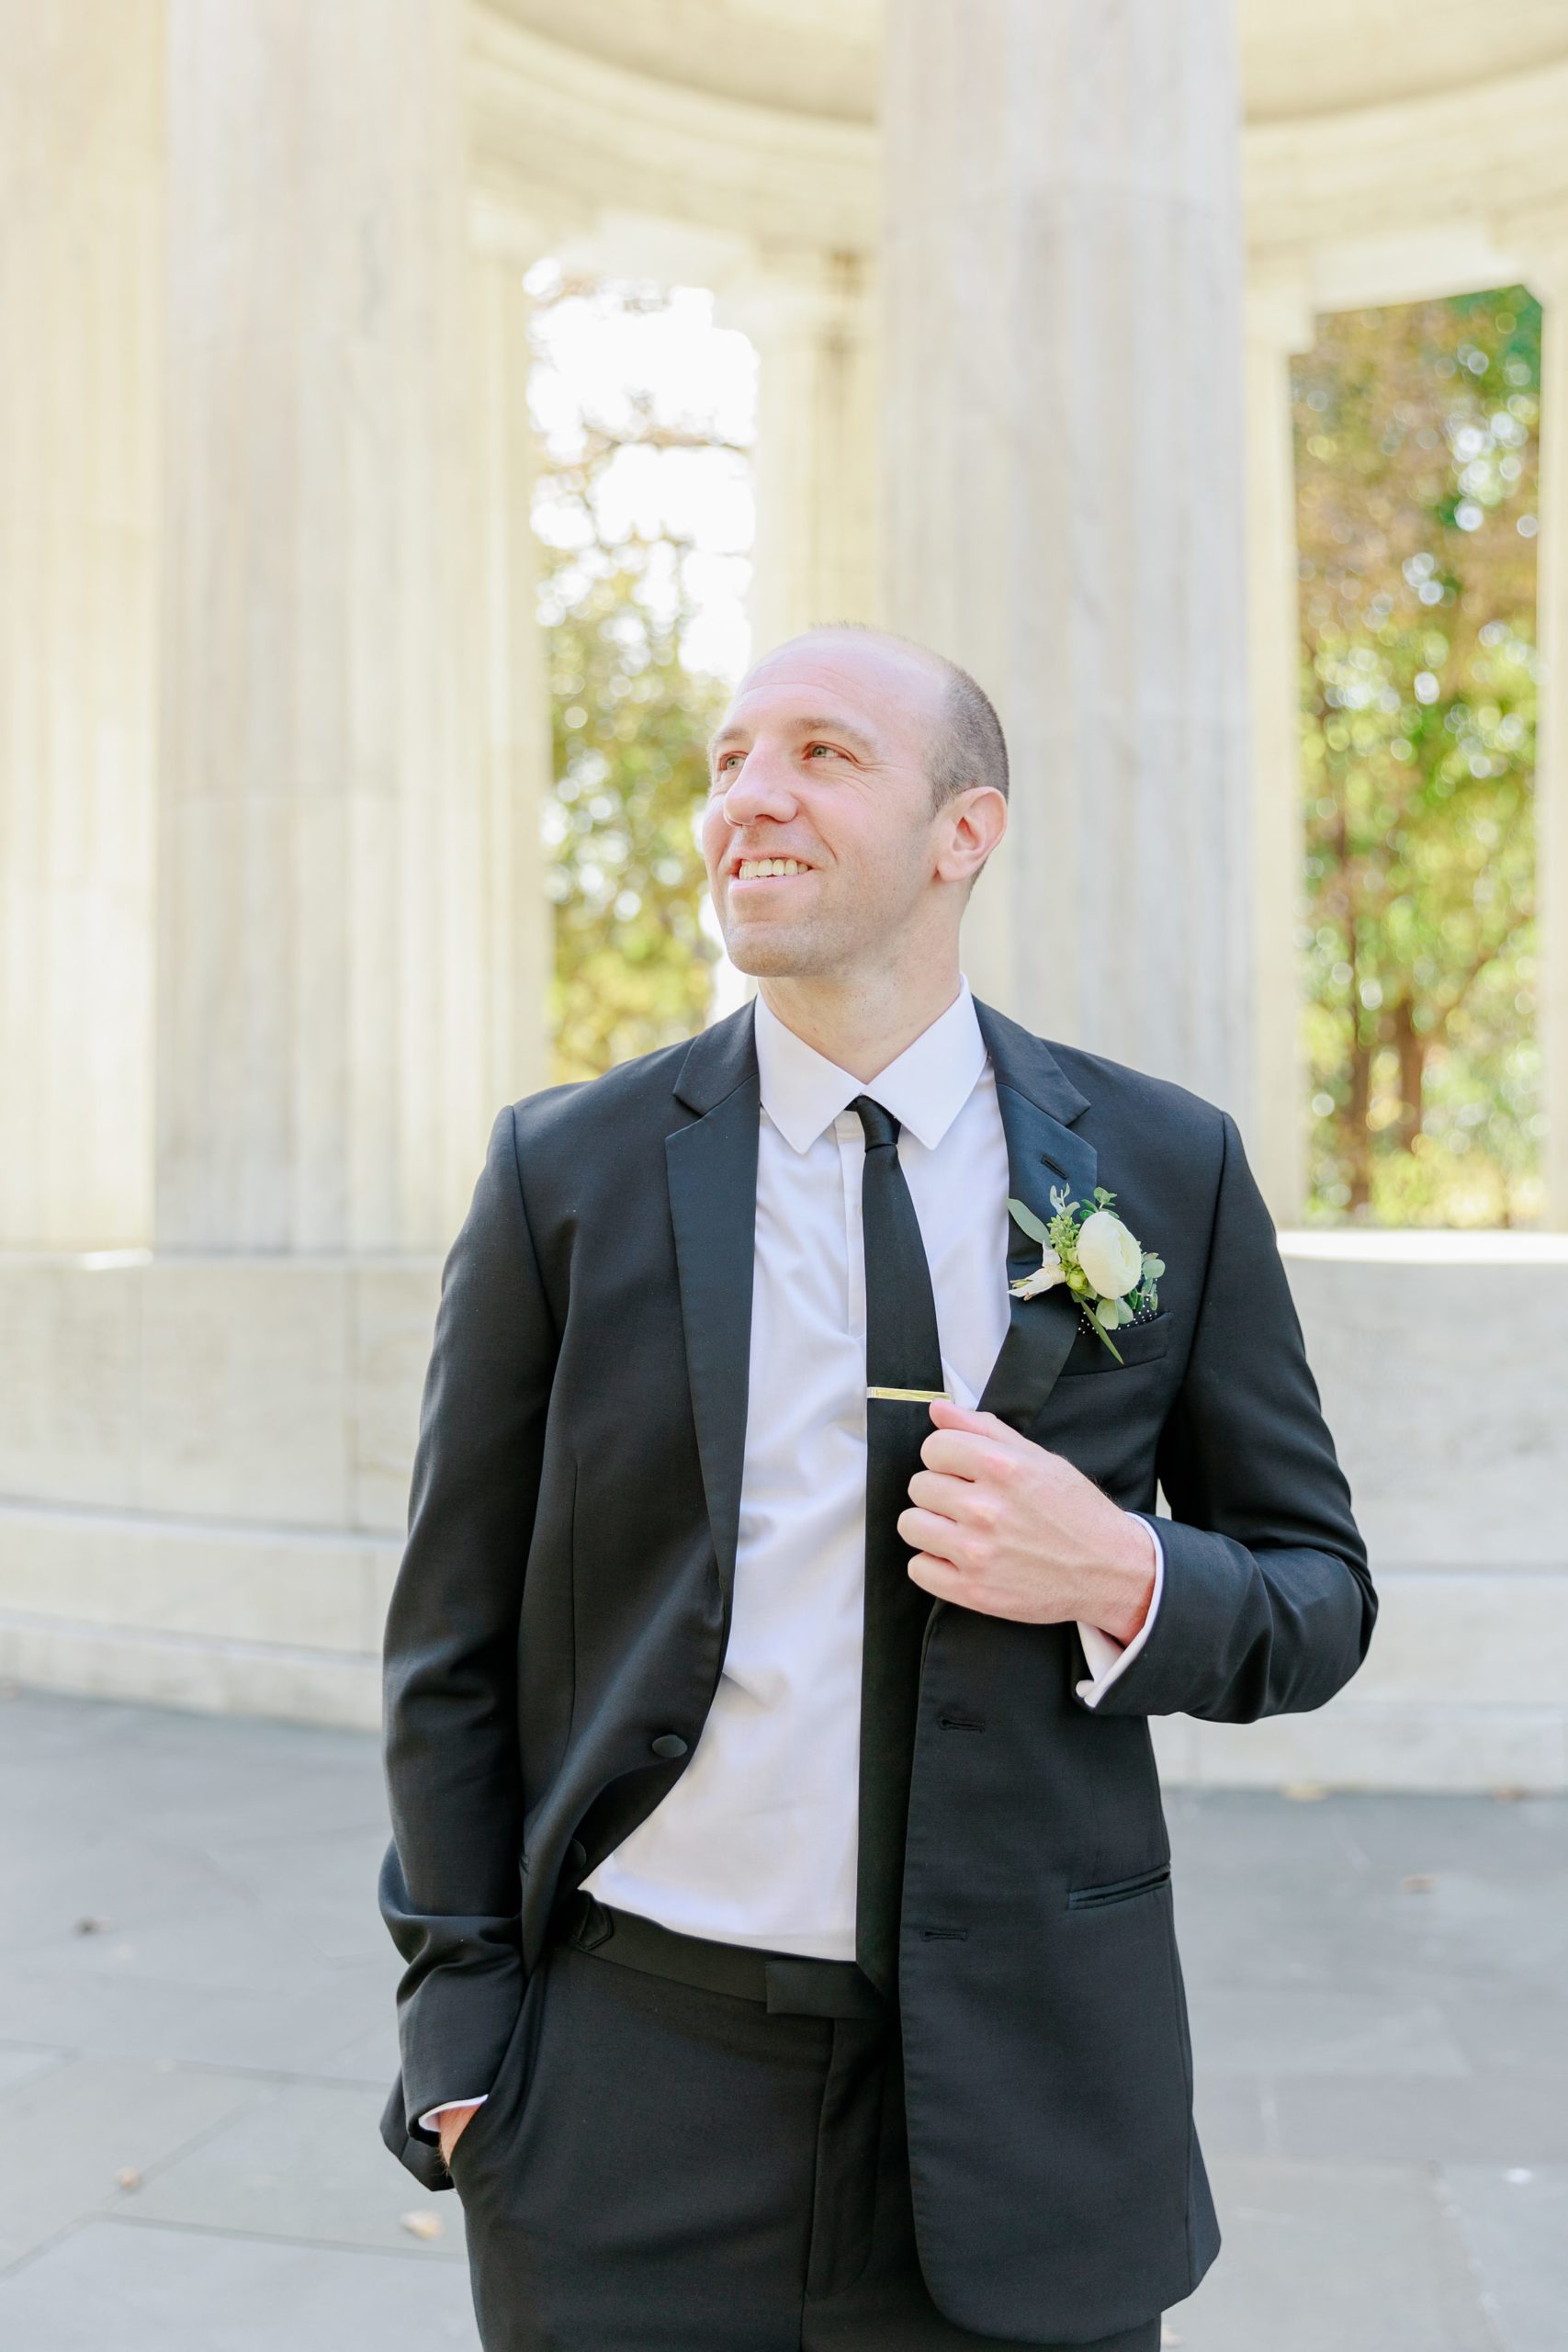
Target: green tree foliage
<point>632,963</point>
<point>1415,453</point>
<point>630,722</point>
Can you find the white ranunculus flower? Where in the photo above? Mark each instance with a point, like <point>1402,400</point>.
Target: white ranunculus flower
<point>1108,1253</point>
<point>1049,1272</point>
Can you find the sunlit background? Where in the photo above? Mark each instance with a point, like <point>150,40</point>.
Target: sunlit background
<point>1416,523</point>
<point>412,421</point>
<point>1415,453</point>
<point>647,415</point>
<point>413,413</point>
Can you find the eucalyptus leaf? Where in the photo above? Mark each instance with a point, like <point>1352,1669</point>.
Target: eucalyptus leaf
<point>1024,1216</point>
<point>1110,1342</point>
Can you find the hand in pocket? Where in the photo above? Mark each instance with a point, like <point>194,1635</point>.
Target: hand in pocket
<point>452,2124</point>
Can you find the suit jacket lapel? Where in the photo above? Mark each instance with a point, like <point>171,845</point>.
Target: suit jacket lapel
<point>711,1166</point>
<point>1038,1102</point>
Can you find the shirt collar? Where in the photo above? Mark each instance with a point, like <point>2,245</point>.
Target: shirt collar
<point>925,1087</point>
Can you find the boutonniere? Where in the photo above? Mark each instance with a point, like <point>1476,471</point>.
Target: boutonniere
<point>1111,1276</point>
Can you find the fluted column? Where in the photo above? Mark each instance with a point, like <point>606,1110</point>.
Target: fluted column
<point>1279,323</point>
<point>816,471</point>
<point>81,103</point>
<point>1063,366</point>
<point>510,688</point>
<point>325,1071</point>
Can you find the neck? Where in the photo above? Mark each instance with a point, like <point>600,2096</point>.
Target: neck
<point>866,1020</point>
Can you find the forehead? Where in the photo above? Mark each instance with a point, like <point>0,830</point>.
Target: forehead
<point>887,690</point>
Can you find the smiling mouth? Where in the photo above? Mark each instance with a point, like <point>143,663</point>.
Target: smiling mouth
<point>769,869</point>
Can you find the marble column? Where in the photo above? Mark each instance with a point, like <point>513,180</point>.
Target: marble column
<point>816,473</point>
<point>1279,323</point>
<point>1064,496</point>
<point>81,107</point>
<point>326,1067</point>
<point>510,688</point>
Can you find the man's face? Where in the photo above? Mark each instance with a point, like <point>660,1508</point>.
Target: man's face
<point>822,762</point>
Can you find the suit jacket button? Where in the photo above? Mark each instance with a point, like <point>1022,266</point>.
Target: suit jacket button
<point>670,1743</point>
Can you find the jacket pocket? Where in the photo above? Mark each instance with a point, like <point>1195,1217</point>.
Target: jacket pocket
<point>1135,1343</point>
<point>1117,1890</point>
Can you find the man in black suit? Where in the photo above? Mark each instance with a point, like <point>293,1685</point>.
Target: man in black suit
<point>778,1856</point>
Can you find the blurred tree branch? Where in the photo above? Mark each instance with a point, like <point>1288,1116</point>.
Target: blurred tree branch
<point>629,720</point>
<point>1416,469</point>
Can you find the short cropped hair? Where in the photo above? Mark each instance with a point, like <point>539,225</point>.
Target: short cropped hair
<point>971,748</point>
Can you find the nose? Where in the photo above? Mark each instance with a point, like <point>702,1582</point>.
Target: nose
<point>761,787</point>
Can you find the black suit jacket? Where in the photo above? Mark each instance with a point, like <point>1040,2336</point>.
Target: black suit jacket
<point>564,1601</point>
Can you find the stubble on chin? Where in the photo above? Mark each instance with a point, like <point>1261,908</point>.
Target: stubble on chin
<point>768,952</point>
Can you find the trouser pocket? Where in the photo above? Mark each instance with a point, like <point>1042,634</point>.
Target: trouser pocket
<point>496,2119</point>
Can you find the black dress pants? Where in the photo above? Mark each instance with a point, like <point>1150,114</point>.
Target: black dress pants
<point>664,2167</point>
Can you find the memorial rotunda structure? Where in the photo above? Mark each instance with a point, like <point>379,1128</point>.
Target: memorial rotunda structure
<point>1024,277</point>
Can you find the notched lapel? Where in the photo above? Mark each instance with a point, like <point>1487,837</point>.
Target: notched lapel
<point>1042,1150</point>
<point>711,1166</point>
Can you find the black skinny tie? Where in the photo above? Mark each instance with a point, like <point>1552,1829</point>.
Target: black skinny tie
<point>902,1352</point>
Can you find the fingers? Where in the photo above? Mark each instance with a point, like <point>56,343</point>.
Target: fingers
<point>959,1498</point>
<point>962,1454</point>
<point>454,2122</point>
<point>949,1416</point>
<point>938,1577</point>
<point>927,1531</point>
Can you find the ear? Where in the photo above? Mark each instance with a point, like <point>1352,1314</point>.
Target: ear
<point>973,822</point>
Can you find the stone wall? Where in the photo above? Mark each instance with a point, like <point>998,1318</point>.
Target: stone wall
<point>1439,1360</point>
<point>205,1464</point>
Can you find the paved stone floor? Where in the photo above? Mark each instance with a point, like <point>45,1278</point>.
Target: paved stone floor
<point>195,2040</point>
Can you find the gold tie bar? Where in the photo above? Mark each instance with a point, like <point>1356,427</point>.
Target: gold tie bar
<point>908,1396</point>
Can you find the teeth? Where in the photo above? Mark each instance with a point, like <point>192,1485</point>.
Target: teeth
<point>756,869</point>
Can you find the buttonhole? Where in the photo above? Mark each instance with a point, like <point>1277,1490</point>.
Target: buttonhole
<point>962,1722</point>
<point>944,1935</point>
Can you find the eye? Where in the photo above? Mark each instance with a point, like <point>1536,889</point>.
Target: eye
<point>822,747</point>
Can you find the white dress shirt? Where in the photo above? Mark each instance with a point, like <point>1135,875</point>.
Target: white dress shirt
<point>756,1842</point>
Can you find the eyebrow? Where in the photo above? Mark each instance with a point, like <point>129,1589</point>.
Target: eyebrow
<point>818,725</point>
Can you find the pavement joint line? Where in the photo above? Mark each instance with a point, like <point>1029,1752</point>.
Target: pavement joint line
<point>155,2169</point>
<point>31,2253</point>
<point>1454,2229</point>
<point>156,2165</point>
<point>80,2222</point>
<point>59,2056</point>
<point>424,2251</point>
<point>271,2074</point>
<point>1486,2301</point>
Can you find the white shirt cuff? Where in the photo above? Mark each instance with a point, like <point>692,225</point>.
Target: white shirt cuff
<point>1105,1656</point>
<point>431,2119</point>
